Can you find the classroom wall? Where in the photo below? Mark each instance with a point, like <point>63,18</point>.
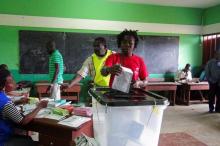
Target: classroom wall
<point>211,15</point>
<point>211,20</point>
<point>169,18</point>
<point>102,10</point>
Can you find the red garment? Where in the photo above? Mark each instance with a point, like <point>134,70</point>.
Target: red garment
<point>134,62</point>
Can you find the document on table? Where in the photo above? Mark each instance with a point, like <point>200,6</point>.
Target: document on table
<point>47,113</point>
<point>74,121</point>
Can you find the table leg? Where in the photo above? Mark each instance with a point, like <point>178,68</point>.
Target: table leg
<point>188,96</point>
<point>174,97</point>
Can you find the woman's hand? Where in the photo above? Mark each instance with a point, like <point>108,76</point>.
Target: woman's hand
<point>24,100</point>
<point>140,84</point>
<point>116,69</point>
<point>42,104</point>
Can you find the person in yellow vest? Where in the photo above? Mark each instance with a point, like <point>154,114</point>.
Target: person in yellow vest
<point>93,64</point>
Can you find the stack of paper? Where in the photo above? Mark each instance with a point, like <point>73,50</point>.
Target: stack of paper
<point>47,113</point>
<point>56,103</point>
<point>83,111</point>
<point>74,121</point>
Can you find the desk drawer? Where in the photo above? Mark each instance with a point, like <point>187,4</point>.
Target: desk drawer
<point>45,140</point>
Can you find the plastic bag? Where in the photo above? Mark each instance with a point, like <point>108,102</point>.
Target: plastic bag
<point>84,140</point>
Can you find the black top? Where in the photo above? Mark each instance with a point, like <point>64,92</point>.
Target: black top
<point>136,97</point>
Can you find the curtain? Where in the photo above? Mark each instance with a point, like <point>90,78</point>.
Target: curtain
<point>211,43</point>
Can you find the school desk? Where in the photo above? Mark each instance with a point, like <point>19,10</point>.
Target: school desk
<point>53,134</point>
<point>69,94</point>
<point>164,86</point>
<point>193,86</point>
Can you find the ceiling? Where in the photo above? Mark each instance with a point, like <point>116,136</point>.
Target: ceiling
<point>178,3</point>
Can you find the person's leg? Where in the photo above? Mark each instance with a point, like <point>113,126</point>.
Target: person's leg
<point>211,95</point>
<point>55,91</point>
<point>217,105</point>
<point>18,140</point>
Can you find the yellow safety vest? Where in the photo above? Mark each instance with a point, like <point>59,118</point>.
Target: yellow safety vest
<point>98,63</point>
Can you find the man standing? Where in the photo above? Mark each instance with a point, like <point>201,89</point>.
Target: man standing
<point>93,65</point>
<point>56,68</point>
<point>212,72</point>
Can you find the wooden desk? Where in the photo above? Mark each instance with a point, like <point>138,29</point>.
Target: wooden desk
<point>53,134</point>
<point>192,86</point>
<point>69,94</point>
<point>164,86</point>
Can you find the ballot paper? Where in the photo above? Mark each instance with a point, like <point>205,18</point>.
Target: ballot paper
<point>122,81</point>
<point>74,121</point>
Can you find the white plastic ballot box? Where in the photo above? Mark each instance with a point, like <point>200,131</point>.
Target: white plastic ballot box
<point>127,119</point>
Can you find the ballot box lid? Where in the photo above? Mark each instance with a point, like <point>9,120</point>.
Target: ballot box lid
<point>136,97</point>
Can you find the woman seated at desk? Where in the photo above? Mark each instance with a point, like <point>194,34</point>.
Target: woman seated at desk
<point>15,96</point>
<point>10,116</point>
<point>10,90</point>
<point>184,75</point>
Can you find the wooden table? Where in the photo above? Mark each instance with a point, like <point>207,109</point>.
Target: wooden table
<point>69,94</point>
<point>53,134</point>
<point>164,86</point>
<point>193,86</point>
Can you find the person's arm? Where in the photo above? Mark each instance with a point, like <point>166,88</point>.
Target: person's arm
<point>111,66</point>
<point>140,83</point>
<point>14,94</point>
<point>23,100</point>
<point>115,69</point>
<point>76,80</point>
<point>54,76</point>
<point>11,112</point>
<point>55,73</point>
<point>105,71</point>
<point>82,73</point>
<point>143,75</point>
<point>182,76</point>
<point>189,76</point>
<point>207,72</point>
<point>30,116</point>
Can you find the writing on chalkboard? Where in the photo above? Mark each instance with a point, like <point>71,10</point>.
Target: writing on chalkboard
<point>160,53</point>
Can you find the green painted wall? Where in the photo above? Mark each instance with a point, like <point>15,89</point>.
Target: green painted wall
<point>102,10</point>
<point>211,15</point>
<point>189,50</point>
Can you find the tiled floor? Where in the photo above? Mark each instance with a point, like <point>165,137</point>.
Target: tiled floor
<point>193,120</point>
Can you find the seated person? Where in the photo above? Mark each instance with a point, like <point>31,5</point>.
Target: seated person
<point>9,116</point>
<point>17,98</point>
<point>18,86</point>
<point>3,66</point>
<point>184,75</point>
<point>127,41</point>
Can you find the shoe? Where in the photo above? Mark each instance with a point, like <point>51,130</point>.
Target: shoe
<point>211,111</point>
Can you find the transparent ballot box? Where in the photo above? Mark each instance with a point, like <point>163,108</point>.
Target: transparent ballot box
<point>127,119</point>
